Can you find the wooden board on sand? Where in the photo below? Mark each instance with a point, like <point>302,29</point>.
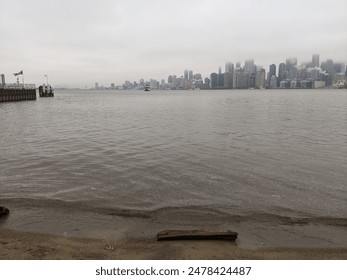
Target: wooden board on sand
<point>197,234</point>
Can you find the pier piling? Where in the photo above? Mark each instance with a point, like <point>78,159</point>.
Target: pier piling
<point>17,94</point>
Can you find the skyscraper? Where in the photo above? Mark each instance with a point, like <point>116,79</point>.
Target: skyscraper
<point>331,71</point>
<point>242,80</point>
<point>174,81</point>
<point>291,63</point>
<point>186,74</point>
<point>315,60</point>
<point>190,75</point>
<point>198,76</point>
<point>281,73</point>
<point>228,76</point>
<point>229,67</point>
<point>293,73</point>
<point>249,66</point>
<point>228,80</point>
<point>272,70</point>
<point>220,80</point>
<point>273,82</point>
<point>207,82</point>
<point>214,80</point>
<point>260,79</point>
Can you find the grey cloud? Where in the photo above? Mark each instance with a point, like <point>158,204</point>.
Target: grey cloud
<point>80,41</point>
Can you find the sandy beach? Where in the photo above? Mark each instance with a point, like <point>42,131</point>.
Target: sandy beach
<point>15,245</point>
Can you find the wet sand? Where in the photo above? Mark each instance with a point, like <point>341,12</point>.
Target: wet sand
<point>15,245</point>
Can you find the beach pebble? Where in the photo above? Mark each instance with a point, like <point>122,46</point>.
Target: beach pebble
<point>109,247</point>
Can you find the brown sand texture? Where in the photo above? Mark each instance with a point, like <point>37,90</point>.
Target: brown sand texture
<point>15,245</point>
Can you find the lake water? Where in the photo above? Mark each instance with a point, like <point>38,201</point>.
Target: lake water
<point>269,164</point>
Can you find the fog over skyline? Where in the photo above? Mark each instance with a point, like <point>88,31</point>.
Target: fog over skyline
<point>78,43</point>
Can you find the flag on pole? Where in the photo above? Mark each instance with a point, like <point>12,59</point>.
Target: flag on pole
<point>18,73</point>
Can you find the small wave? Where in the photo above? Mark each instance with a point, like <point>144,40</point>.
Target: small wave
<point>210,214</point>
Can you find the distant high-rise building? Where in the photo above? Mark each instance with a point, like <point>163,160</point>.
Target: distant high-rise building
<point>228,76</point>
<point>127,85</point>
<point>153,83</point>
<point>228,80</point>
<point>315,60</point>
<point>260,79</point>
<point>291,68</point>
<point>174,81</point>
<point>313,74</point>
<point>272,70</point>
<point>242,80</point>
<point>179,82</point>
<point>229,67</point>
<point>323,66</point>
<point>303,73</point>
<point>220,79</point>
<point>330,69</point>
<point>339,67</point>
<point>281,73</point>
<point>252,78</point>
<point>207,82</point>
<point>198,76</point>
<point>273,82</point>
<point>190,75</point>
<point>186,74</point>
<point>237,70</point>
<point>249,66</point>
<point>293,73</point>
<point>3,79</point>
<point>291,62</point>
<point>96,85</point>
<point>214,80</point>
<point>112,85</point>
<point>170,79</point>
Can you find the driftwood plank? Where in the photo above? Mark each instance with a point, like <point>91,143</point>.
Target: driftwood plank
<point>197,234</point>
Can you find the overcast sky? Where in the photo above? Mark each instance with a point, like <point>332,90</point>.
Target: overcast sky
<point>80,42</point>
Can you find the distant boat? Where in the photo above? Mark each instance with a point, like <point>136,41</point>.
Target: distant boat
<point>146,88</point>
<point>46,91</point>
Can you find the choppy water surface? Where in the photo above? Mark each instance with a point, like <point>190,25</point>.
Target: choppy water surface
<point>119,160</point>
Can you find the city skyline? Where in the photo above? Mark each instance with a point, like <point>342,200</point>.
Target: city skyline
<point>77,43</point>
<point>290,73</point>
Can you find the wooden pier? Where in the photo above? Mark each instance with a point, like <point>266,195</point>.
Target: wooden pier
<point>17,94</point>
